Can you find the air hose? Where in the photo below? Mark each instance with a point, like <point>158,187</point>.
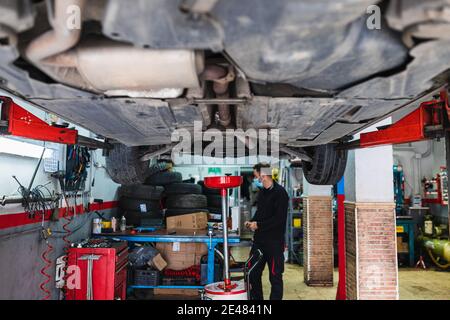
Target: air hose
<point>45,256</point>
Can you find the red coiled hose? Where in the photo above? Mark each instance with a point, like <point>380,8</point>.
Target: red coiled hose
<point>43,271</point>
<point>67,242</point>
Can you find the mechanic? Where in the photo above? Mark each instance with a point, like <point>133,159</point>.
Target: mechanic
<point>269,227</point>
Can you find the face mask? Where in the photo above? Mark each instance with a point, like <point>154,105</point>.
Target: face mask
<point>257,183</point>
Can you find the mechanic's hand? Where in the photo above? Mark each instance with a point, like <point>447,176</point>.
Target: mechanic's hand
<point>251,225</point>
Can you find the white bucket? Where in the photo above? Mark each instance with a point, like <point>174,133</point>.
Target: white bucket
<point>214,291</point>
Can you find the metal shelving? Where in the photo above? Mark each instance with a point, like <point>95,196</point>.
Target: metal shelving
<point>294,235</point>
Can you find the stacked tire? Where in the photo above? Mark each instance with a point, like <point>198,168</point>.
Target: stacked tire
<point>141,204</point>
<point>184,198</point>
<point>213,198</point>
<point>179,197</point>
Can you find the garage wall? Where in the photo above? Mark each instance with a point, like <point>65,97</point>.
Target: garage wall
<point>21,245</point>
<point>419,160</point>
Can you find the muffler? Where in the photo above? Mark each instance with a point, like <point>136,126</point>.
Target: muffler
<point>109,67</point>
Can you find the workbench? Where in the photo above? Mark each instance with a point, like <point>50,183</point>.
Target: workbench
<point>162,235</point>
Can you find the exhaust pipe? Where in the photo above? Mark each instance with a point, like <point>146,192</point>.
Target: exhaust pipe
<point>109,67</point>
<point>60,38</point>
<point>221,77</point>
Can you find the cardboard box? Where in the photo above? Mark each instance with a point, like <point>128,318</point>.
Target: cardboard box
<point>181,255</point>
<point>402,247</point>
<point>193,221</point>
<point>158,262</point>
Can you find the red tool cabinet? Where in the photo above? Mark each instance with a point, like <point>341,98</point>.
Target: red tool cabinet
<point>108,276</point>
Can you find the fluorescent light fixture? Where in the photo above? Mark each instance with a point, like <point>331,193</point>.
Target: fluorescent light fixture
<point>24,149</point>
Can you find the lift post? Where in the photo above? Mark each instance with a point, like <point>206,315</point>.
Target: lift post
<point>16,121</point>
<point>430,121</point>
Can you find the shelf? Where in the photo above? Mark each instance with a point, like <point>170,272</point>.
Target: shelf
<point>165,287</point>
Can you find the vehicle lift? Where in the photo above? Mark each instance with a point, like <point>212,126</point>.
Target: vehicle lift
<point>16,121</point>
<point>431,120</point>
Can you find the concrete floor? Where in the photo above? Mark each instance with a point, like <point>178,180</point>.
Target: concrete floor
<point>414,284</point>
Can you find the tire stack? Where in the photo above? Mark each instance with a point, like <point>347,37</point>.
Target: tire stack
<point>179,197</point>
<point>214,200</point>
<point>141,204</point>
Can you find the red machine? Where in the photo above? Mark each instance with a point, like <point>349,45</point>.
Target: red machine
<point>435,189</point>
<point>102,271</point>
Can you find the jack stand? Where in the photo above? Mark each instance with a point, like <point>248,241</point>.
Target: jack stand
<point>421,263</point>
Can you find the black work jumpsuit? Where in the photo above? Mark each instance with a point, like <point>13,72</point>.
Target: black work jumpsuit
<point>271,215</point>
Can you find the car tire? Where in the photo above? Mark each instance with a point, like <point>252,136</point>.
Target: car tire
<point>206,190</point>
<point>135,218</point>
<point>186,201</point>
<point>140,191</point>
<point>135,204</point>
<point>182,188</point>
<point>124,166</point>
<point>214,200</point>
<point>215,210</point>
<point>327,166</point>
<point>163,178</point>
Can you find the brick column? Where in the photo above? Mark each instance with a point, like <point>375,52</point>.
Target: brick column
<point>371,251</point>
<point>318,240</point>
<point>370,233</point>
<point>317,235</point>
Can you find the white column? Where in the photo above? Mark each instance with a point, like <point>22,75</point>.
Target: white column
<point>369,173</point>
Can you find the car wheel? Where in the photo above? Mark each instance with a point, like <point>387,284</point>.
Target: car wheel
<point>327,166</point>
<point>124,166</point>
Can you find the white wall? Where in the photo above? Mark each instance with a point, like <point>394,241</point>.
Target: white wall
<point>419,161</point>
<point>23,168</point>
<point>21,247</point>
<point>368,175</point>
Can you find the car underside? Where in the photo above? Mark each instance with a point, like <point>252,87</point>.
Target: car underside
<point>133,72</point>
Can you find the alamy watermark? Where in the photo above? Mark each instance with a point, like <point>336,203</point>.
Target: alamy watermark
<point>73,21</point>
<point>373,22</point>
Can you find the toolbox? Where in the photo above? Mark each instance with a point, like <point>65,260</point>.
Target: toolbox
<point>102,267</point>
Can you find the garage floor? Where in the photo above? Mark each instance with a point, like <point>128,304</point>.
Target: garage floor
<point>414,284</point>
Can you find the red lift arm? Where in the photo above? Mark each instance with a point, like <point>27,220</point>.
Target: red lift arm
<point>429,121</point>
<point>24,124</point>
<point>16,121</point>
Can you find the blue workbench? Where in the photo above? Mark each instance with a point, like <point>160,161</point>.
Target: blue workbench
<point>180,236</point>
